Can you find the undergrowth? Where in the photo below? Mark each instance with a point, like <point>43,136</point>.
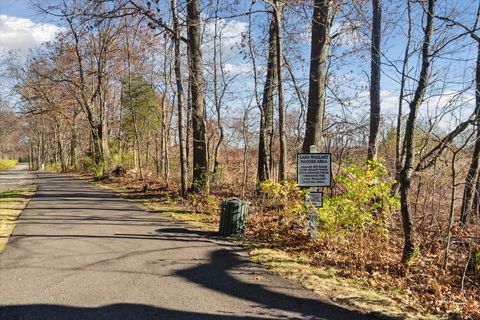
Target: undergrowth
<point>6,164</point>
<point>359,236</point>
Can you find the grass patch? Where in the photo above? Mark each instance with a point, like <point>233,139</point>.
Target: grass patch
<point>181,213</point>
<point>329,285</point>
<point>12,204</point>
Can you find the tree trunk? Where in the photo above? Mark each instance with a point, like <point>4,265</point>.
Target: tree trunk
<point>375,65</point>
<point>399,150</point>
<point>452,201</point>
<point>245,150</point>
<point>321,23</point>
<point>200,162</point>
<point>265,142</point>
<point>217,97</point>
<point>473,171</point>
<point>180,102</point>
<point>409,138</point>
<point>282,176</point>
<point>30,156</point>
<point>161,154</point>
<point>73,144</point>
<point>476,198</point>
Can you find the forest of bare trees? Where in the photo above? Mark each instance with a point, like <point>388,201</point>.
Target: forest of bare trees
<point>216,98</point>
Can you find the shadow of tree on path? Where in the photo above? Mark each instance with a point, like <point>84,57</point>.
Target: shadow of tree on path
<point>122,311</point>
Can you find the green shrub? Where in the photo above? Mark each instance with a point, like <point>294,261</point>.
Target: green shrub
<point>286,201</point>
<point>205,204</point>
<point>6,164</point>
<point>366,202</point>
<point>478,260</point>
<point>363,206</point>
<point>89,165</point>
<point>53,167</point>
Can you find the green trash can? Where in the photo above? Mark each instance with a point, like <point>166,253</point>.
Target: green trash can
<point>233,217</point>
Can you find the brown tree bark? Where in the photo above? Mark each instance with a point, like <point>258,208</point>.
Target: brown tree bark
<point>375,65</point>
<point>321,24</point>
<point>265,143</point>
<point>217,45</point>
<point>473,171</point>
<point>180,102</point>
<point>200,162</point>
<point>278,8</point>
<point>399,150</point>
<point>409,137</point>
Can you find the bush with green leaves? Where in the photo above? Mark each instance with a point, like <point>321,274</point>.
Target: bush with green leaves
<point>365,203</point>
<point>53,166</point>
<point>6,164</point>
<point>286,201</point>
<point>89,165</point>
<point>478,260</point>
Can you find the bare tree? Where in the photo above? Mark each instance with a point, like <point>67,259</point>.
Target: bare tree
<point>197,82</point>
<point>266,137</point>
<point>468,207</point>
<point>375,67</point>
<point>278,9</point>
<point>180,101</point>
<point>399,151</point>
<point>409,136</point>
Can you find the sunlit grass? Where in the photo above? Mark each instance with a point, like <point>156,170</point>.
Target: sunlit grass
<point>12,204</point>
<point>328,284</point>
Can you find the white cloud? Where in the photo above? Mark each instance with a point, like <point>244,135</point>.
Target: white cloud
<point>389,102</point>
<point>230,30</point>
<point>22,34</point>
<point>231,33</point>
<point>237,69</point>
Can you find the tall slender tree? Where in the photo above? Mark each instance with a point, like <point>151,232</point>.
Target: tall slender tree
<point>180,100</point>
<point>375,66</point>
<point>409,136</point>
<point>265,142</point>
<point>200,156</point>
<point>282,167</point>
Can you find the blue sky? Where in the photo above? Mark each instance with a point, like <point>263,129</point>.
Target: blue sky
<point>22,28</point>
<point>18,8</point>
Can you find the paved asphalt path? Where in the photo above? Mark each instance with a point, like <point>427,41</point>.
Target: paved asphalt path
<point>16,178</point>
<point>83,253</point>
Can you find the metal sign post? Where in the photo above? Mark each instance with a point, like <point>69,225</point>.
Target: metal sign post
<point>313,224</point>
<point>314,170</point>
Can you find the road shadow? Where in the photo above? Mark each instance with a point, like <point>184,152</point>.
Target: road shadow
<point>217,275</point>
<point>122,311</point>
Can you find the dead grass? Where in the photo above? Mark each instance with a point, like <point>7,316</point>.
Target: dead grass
<point>12,204</point>
<point>329,284</point>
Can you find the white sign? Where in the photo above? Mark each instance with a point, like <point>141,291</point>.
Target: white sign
<point>314,169</point>
<point>314,198</point>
